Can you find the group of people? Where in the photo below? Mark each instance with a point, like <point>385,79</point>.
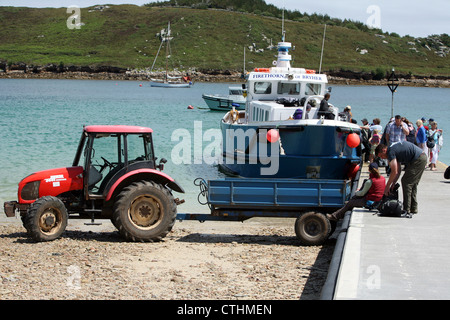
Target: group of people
<point>427,136</point>
<point>400,143</point>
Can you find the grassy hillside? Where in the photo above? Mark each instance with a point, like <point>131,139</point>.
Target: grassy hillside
<point>126,36</point>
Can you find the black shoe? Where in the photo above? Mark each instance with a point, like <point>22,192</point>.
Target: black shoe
<point>331,217</point>
<point>406,214</point>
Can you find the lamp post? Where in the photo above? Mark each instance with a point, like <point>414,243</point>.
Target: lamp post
<point>392,84</point>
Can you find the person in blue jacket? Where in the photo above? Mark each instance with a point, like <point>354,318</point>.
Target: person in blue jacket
<point>421,136</point>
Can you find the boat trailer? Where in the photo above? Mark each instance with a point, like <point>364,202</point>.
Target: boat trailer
<point>307,200</point>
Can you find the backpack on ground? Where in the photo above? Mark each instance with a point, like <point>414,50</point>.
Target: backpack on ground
<point>390,206</point>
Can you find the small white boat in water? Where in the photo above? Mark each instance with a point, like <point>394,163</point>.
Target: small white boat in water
<point>169,81</point>
<point>236,98</point>
<point>166,83</point>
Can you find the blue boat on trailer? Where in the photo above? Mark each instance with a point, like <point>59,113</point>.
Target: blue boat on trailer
<point>286,158</point>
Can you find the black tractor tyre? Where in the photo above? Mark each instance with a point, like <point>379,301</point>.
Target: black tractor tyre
<point>312,228</point>
<point>46,219</point>
<point>144,212</point>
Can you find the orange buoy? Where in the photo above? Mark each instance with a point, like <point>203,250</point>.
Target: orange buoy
<point>273,135</point>
<point>190,107</point>
<point>353,140</point>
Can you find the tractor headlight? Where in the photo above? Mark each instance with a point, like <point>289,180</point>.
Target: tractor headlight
<point>30,191</point>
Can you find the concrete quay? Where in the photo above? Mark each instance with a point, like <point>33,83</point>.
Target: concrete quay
<point>384,258</point>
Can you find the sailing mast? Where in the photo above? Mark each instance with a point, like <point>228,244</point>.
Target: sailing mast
<point>323,45</point>
<point>167,39</point>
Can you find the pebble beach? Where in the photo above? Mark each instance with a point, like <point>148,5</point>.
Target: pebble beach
<point>255,260</point>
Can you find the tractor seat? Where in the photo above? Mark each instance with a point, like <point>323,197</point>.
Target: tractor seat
<point>94,177</point>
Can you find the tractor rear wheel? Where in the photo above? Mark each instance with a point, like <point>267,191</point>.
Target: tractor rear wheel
<point>144,211</point>
<point>46,219</point>
<point>312,228</point>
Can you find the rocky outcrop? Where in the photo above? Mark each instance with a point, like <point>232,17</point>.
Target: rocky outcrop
<point>54,71</point>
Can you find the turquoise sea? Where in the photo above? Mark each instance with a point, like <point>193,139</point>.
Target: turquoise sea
<point>41,121</point>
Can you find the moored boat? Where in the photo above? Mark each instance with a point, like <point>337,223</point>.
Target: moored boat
<point>169,81</point>
<point>169,84</point>
<point>235,98</point>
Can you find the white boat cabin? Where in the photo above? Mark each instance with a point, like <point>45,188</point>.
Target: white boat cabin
<point>275,94</point>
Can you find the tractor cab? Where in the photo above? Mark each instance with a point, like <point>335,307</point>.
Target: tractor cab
<point>108,152</point>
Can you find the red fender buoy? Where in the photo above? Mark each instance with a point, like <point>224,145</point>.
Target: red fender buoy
<point>353,140</point>
<point>273,135</point>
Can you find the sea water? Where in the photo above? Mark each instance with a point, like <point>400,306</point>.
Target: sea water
<point>41,122</point>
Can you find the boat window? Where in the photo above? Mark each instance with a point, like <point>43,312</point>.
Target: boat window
<point>313,89</point>
<point>236,92</point>
<point>289,88</point>
<point>263,87</point>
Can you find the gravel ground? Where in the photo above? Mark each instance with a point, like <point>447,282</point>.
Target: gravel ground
<point>257,259</point>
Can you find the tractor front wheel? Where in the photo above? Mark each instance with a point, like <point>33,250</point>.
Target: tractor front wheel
<point>144,211</point>
<point>46,219</point>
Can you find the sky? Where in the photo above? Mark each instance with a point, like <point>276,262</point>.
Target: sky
<point>417,18</point>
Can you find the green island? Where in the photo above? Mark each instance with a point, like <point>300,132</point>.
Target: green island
<point>209,40</point>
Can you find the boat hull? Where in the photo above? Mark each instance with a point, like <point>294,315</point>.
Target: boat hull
<point>218,103</point>
<point>169,85</point>
<point>301,152</point>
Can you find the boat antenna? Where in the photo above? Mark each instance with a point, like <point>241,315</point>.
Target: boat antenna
<point>323,44</point>
<point>283,32</point>
<point>244,62</point>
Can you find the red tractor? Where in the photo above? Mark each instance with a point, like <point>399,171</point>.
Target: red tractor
<point>114,176</point>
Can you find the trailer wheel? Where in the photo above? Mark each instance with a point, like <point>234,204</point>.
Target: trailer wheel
<point>145,212</point>
<point>46,219</point>
<point>312,228</point>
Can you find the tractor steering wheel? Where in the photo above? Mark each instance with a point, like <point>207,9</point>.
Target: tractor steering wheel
<point>105,165</point>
